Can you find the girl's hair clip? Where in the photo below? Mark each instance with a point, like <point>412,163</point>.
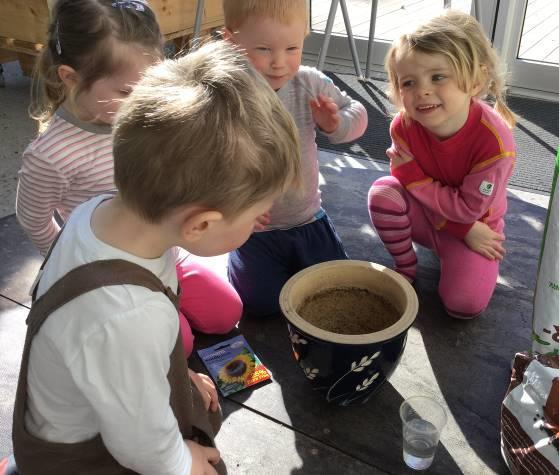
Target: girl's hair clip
<point>57,39</point>
<point>133,4</point>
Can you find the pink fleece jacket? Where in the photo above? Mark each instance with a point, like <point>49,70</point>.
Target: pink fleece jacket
<point>462,179</point>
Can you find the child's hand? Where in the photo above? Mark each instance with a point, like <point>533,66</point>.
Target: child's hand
<point>203,458</point>
<point>483,240</point>
<point>398,158</point>
<point>207,389</point>
<point>262,221</point>
<point>325,113</point>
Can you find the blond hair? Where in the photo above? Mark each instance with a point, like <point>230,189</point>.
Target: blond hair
<point>236,12</point>
<point>81,35</point>
<point>204,129</point>
<point>461,40</point>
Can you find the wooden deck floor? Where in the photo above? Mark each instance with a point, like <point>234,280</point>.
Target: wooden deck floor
<point>540,39</point>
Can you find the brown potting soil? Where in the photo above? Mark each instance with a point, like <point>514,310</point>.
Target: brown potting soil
<point>349,311</point>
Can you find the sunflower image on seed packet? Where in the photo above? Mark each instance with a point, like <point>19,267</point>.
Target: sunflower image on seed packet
<point>233,365</point>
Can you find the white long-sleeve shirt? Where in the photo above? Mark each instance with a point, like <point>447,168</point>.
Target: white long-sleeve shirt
<point>69,163</point>
<point>294,208</point>
<point>99,364</point>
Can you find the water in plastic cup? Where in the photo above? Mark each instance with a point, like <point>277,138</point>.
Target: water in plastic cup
<point>423,420</point>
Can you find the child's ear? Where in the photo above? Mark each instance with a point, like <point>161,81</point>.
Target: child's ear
<point>195,226</point>
<point>68,75</point>
<point>482,79</point>
<point>227,34</point>
<point>476,89</point>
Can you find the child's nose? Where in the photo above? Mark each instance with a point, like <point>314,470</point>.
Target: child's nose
<point>278,59</point>
<point>425,89</point>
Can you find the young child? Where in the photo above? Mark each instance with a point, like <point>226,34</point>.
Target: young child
<point>451,157</point>
<point>98,365</point>
<point>297,232</point>
<point>96,51</point>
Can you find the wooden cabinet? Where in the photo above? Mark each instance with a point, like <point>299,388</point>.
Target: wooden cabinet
<point>24,23</point>
<point>176,17</point>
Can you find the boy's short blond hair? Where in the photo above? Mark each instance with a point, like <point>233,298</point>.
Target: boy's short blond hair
<point>236,12</point>
<point>203,130</point>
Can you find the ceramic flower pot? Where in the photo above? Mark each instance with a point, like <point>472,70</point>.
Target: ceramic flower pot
<point>348,369</point>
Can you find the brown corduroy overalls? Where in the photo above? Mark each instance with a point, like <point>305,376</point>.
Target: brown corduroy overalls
<point>35,456</point>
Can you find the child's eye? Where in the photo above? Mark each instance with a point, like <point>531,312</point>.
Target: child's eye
<point>263,49</point>
<point>438,77</point>
<point>293,49</point>
<point>408,83</point>
<point>125,92</point>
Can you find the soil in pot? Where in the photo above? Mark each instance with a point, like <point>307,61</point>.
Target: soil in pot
<point>348,311</point>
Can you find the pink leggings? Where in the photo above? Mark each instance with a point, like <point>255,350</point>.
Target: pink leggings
<point>467,279</point>
<point>208,303</point>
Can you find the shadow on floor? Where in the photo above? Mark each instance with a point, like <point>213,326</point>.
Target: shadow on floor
<point>467,363</point>
<point>536,134</point>
<point>20,261</point>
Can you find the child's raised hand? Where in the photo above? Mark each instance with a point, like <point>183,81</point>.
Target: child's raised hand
<point>325,113</point>
<point>207,389</point>
<point>262,221</point>
<point>483,240</point>
<point>203,458</point>
<point>397,158</point>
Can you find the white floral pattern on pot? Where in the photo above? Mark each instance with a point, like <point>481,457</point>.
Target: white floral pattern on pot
<point>295,338</point>
<point>310,373</point>
<point>356,367</point>
<point>365,361</point>
<point>366,382</point>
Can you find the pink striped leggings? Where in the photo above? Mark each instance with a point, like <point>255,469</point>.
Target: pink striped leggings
<point>467,279</point>
<point>208,302</point>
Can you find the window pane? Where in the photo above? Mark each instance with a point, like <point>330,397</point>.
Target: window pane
<point>394,17</point>
<point>540,33</point>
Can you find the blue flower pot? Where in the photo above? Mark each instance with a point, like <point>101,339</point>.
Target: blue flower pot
<point>348,369</point>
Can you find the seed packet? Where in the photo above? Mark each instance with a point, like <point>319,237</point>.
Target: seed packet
<point>233,365</point>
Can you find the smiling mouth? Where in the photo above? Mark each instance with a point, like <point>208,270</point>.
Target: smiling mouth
<point>428,108</point>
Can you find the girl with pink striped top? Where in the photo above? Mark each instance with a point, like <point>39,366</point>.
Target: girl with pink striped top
<point>96,51</point>
<point>451,157</point>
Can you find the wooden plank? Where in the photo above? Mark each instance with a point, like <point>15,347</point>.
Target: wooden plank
<point>23,24</point>
<point>27,63</point>
<point>393,16</point>
<point>6,56</point>
<point>24,20</point>
<point>408,18</point>
<point>553,56</point>
<point>537,11</point>
<point>176,17</point>
<point>543,49</point>
<point>20,46</point>
<point>538,42</point>
<point>206,27</point>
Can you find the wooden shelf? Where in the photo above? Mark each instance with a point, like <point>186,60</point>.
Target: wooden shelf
<point>24,24</point>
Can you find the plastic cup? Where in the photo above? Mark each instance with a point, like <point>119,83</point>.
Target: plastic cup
<point>423,420</point>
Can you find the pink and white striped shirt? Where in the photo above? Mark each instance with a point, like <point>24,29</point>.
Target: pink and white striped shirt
<point>68,164</point>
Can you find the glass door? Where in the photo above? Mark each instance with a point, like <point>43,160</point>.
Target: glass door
<point>391,18</point>
<point>527,34</point>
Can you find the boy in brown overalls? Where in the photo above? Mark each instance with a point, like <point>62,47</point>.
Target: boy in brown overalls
<point>202,147</point>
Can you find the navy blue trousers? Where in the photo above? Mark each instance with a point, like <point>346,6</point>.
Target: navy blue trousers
<point>260,267</point>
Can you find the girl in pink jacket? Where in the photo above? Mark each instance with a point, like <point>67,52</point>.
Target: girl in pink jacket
<point>451,157</point>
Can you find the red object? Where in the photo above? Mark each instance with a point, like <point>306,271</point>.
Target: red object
<point>3,465</point>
